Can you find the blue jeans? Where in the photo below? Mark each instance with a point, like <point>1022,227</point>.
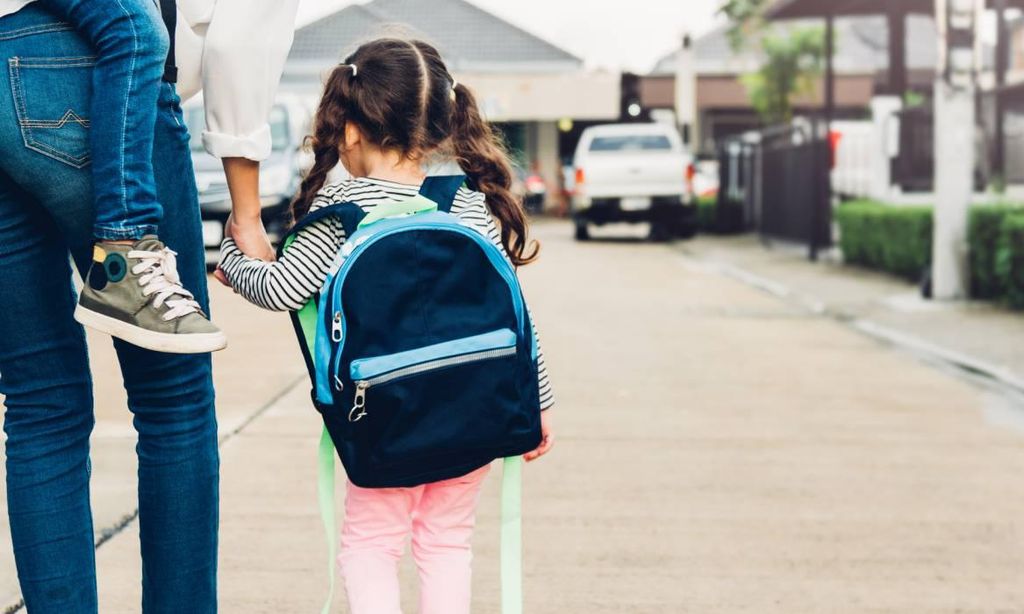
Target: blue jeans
<point>130,44</point>
<point>46,211</point>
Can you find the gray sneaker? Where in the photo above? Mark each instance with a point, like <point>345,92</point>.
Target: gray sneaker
<point>133,292</point>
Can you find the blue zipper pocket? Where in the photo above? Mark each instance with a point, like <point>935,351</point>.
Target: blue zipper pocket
<point>370,372</point>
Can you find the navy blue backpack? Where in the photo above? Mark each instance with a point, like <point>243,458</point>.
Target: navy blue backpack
<point>422,354</point>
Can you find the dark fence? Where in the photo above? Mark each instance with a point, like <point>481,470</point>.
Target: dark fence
<point>780,179</point>
<point>913,169</point>
<point>1011,101</point>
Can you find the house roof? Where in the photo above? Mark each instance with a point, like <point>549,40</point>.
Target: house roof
<point>468,37</point>
<point>861,47</point>
<point>790,9</point>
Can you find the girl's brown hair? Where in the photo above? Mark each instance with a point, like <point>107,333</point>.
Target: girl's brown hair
<point>401,96</point>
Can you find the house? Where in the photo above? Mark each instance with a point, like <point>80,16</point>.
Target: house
<point>532,89</point>
<point>861,64</point>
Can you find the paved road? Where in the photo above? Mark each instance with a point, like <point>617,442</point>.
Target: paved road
<point>719,451</point>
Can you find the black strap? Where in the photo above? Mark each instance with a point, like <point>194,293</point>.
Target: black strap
<point>350,214</point>
<point>442,189</point>
<point>169,11</point>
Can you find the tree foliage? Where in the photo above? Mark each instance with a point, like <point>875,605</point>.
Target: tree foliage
<point>792,66</point>
<point>746,19</point>
<point>793,59</point>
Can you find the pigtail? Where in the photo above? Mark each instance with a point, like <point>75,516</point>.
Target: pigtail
<point>328,135</point>
<point>483,158</point>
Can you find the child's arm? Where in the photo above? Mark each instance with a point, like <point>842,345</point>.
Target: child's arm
<point>471,207</point>
<point>289,283</point>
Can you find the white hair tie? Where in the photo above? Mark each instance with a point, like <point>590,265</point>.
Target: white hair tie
<point>355,70</point>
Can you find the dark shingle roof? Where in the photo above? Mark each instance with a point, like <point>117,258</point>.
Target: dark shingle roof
<point>469,37</point>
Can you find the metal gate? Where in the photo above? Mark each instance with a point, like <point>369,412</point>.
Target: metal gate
<point>780,177</point>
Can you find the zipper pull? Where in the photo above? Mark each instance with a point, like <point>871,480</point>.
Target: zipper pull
<point>336,327</point>
<point>359,407</point>
<point>338,384</point>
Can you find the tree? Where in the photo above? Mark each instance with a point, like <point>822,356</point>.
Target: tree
<point>793,60</point>
<point>746,18</point>
<point>793,64</point>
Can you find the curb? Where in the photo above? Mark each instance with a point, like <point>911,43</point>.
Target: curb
<point>963,362</point>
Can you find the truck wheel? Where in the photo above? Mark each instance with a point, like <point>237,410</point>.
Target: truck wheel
<point>660,232</point>
<point>582,232</point>
<point>687,231</point>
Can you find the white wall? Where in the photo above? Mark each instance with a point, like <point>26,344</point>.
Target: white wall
<point>546,97</point>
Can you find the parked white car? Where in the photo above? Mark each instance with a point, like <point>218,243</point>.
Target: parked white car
<point>635,173</point>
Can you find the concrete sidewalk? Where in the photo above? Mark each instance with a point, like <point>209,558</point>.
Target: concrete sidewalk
<point>980,335</point>
<point>719,450</point>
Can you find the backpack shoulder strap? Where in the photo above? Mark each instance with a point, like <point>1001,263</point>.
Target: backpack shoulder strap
<point>442,189</point>
<point>169,13</point>
<point>350,215</point>
<point>305,319</point>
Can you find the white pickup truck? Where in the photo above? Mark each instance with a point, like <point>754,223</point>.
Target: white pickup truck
<point>634,173</point>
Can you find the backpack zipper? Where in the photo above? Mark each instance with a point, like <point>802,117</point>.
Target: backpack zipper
<point>358,410</point>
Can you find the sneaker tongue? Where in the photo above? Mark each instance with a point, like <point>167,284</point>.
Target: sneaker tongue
<point>148,243</point>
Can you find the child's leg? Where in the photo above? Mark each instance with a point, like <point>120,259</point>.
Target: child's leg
<point>131,46</point>
<point>442,532</point>
<point>132,290</point>
<point>377,522</point>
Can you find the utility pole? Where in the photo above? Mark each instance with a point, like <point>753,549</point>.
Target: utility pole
<point>686,95</point>
<point>1002,66</point>
<point>955,87</point>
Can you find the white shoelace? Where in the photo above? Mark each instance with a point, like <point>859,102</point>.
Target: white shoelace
<point>159,276</point>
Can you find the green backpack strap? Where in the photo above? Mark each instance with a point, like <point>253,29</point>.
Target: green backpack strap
<point>410,206</point>
<point>512,536</point>
<point>328,513</point>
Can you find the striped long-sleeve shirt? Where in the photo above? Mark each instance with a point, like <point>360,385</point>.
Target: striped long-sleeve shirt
<point>289,283</point>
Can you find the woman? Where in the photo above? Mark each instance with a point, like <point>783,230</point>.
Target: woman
<point>236,49</point>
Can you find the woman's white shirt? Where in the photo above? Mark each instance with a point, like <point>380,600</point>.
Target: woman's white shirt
<point>234,51</point>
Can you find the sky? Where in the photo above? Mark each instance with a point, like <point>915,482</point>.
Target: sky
<point>602,32</point>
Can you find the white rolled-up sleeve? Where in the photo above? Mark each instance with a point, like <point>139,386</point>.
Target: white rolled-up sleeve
<point>247,42</point>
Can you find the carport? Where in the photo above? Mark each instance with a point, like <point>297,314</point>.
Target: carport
<point>896,12</point>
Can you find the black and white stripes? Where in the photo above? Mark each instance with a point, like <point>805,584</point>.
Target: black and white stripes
<point>289,283</point>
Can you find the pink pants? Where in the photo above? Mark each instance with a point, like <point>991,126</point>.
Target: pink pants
<point>440,518</point>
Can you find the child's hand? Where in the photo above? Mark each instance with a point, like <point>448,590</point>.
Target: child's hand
<point>548,440</point>
<point>221,277</point>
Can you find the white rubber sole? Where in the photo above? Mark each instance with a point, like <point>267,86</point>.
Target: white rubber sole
<point>158,342</point>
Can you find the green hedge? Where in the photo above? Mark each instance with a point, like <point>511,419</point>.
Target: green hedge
<point>713,219</point>
<point>899,240</point>
<point>886,238</point>
<point>706,213</point>
<point>1009,261</point>
<point>984,230</point>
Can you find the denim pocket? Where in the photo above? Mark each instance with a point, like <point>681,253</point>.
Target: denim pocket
<point>51,100</point>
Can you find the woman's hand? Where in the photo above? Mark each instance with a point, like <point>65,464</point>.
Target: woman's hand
<point>250,236</point>
<point>548,438</point>
<point>245,225</point>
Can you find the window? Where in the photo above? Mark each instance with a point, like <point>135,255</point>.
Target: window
<point>632,142</point>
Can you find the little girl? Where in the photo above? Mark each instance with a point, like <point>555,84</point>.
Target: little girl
<point>386,110</point>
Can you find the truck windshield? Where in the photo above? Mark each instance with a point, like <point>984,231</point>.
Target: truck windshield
<point>631,142</point>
